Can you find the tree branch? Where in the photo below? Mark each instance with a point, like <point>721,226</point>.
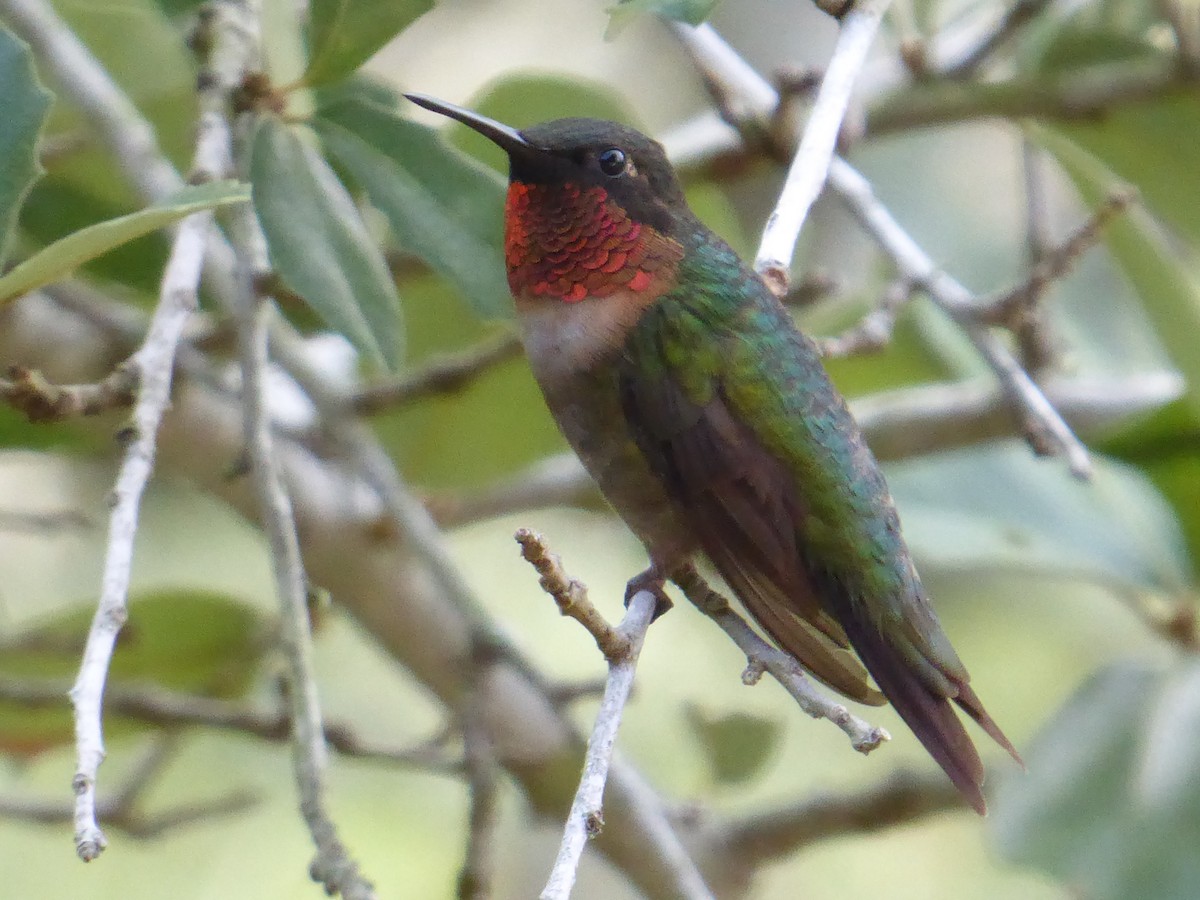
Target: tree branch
<point>157,706</point>
<point>621,647</point>
<point>29,392</point>
<point>762,657</point>
<point>807,174</point>
<point>1045,429</point>
<point>441,375</point>
<point>763,836</point>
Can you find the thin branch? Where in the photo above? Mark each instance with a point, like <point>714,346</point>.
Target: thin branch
<point>916,421</point>
<point>155,363</point>
<point>1018,16</point>
<point>1056,262</point>
<point>807,174</point>
<point>762,657</point>
<point>1076,93</point>
<point>621,647</point>
<point>121,810</point>
<point>904,797</point>
<point>874,331</point>
<point>236,33</point>
<point>554,481</point>
<point>332,865</point>
<point>31,393</point>
<point>483,784</point>
<point>570,594</point>
<point>1044,428</point>
<point>898,424</point>
<point>157,706</point>
<point>441,375</point>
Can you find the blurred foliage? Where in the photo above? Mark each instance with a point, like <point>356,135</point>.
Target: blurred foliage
<point>319,246</point>
<point>25,106</point>
<point>190,641</point>
<point>394,239</point>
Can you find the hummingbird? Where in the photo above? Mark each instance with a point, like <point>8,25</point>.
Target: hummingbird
<point>711,426</point>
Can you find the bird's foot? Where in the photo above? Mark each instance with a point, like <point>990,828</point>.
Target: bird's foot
<point>651,580</point>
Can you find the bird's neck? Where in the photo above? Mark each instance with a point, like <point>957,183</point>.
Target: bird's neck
<point>566,242</point>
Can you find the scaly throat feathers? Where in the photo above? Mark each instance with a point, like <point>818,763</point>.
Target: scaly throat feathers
<point>567,242</point>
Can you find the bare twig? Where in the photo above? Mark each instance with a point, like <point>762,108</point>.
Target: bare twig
<point>621,647</point>
<point>483,783</point>
<point>121,810</point>
<point>1075,93</point>
<point>39,400</point>
<point>1018,16</point>
<point>1044,428</point>
<point>154,362</point>
<point>554,481</point>
<point>903,797</point>
<point>440,375</point>
<point>157,706</point>
<point>807,174</point>
<point>875,330</point>
<point>332,865</point>
<point>762,657</point>
<point>1055,263</point>
<point>898,424</point>
<point>151,367</point>
<point>570,595</point>
<point>915,421</point>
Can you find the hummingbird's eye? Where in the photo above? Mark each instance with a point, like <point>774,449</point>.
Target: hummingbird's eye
<point>612,162</point>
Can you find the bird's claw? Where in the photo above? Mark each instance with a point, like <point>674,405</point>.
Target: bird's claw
<point>651,581</point>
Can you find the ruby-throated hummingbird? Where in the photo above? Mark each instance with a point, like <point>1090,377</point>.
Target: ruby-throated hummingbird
<point>710,424</point>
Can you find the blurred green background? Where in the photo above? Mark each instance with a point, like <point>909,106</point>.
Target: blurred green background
<point>1038,578</point>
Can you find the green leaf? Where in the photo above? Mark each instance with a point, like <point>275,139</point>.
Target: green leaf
<point>693,12</point>
<point>319,244</point>
<point>344,34</point>
<point>1165,277</point>
<point>737,745</point>
<point>26,104</point>
<point>61,257</point>
<point>1111,801</point>
<point>445,208</point>
<point>192,641</point>
<point>1009,511</point>
<point>1140,143</point>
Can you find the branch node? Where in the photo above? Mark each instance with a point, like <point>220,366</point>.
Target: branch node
<point>753,673</point>
<point>593,823</point>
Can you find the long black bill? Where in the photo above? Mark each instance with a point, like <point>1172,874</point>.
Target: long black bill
<point>507,138</point>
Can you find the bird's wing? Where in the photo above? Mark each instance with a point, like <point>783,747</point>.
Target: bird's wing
<point>743,506</point>
<point>763,459</point>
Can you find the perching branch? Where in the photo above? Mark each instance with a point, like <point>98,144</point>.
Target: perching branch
<point>807,174</point>
<point>762,657</point>
<point>621,647</point>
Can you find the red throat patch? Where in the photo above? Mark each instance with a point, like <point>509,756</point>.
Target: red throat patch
<point>570,243</point>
